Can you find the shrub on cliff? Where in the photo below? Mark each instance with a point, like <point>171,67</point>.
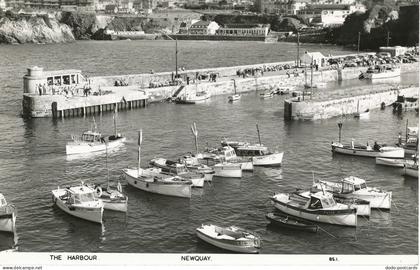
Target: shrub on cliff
<point>126,24</point>
<point>80,23</point>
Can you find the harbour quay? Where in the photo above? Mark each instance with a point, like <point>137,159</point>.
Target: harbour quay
<point>67,93</point>
<point>347,102</point>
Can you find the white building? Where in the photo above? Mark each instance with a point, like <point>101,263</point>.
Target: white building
<point>203,28</point>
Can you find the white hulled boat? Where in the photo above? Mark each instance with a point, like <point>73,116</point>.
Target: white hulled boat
<point>7,216</point>
<point>411,170</point>
<point>195,98</point>
<point>410,144</point>
<point>227,154</point>
<point>382,72</point>
<point>113,198</point>
<point>367,150</point>
<point>235,96</point>
<point>151,180</point>
<point>356,188</point>
<point>179,169</point>
<point>227,169</point>
<point>193,164</point>
<point>93,141</point>
<point>79,201</point>
<point>260,155</point>
<point>391,162</point>
<point>266,95</point>
<point>319,207</point>
<point>230,238</point>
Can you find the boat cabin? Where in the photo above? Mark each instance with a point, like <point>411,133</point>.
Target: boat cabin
<point>3,202</point>
<point>90,136</point>
<point>351,184</point>
<point>228,152</point>
<point>321,200</point>
<point>252,150</point>
<point>80,194</point>
<point>175,167</point>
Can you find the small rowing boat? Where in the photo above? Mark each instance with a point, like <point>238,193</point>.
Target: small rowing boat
<point>230,238</point>
<point>391,162</point>
<point>7,216</point>
<point>235,96</point>
<point>113,198</point>
<point>291,223</point>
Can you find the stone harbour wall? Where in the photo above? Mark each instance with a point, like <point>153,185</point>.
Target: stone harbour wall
<point>315,110</point>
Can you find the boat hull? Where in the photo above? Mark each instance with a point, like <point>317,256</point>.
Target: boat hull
<point>83,148</point>
<point>391,162</point>
<point>363,207</point>
<point>379,201</point>
<point>290,223</point>
<point>397,153</point>
<point>120,206</point>
<point>93,214</point>
<point>234,98</point>
<point>226,245</point>
<point>274,159</point>
<point>412,172</point>
<point>228,171</point>
<point>348,218</point>
<point>7,222</point>
<point>176,190</point>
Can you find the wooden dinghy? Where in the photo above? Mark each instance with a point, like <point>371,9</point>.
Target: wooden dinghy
<point>289,222</point>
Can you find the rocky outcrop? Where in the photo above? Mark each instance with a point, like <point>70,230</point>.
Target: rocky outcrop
<point>33,29</point>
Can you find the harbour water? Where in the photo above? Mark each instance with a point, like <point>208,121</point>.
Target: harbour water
<point>33,160</point>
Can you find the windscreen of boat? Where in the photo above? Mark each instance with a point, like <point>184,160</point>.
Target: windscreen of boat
<point>2,202</point>
<point>85,197</point>
<point>361,186</point>
<point>347,188</point>
<point>315,203</point>
<point>90,138</point>
<point>328,202</point>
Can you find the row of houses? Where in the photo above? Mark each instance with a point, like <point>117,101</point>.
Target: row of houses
<point>109,6</point>
<point>213,28</point>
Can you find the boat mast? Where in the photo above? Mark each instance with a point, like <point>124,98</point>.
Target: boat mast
<point>106,163</point>
<point>258,131</point>
<point>234,85</point>
<point>115,120</point>
<point>406,131</point>
<point>176,58</point>
<point>340,125</point>
<point>140,139</point>
<point>312,74</point>
<point>195,133</point>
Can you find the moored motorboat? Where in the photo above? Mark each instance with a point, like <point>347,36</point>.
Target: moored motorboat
<point>7,216</point>
<point>381,72</point>
<point>266,95</point>
<point>195,98</point>
<point>260,155</point>
<point>228,154</point>
<point>289,222</point>
<point>391,162</point>
<point>113,198</point>
<point>230,238</point>
<point>410,144</point>
<point>362,206</point>
<point>367,150</point>
<point>233,144</point>
<point>319,207</point>
<point>356,188</point>
<point>362,115</point>
<point>227,169</point>
<point>93,141</point>
<point>193,164</point>
<point>79,201</point>
<point>175,168</point>
<point>235,96</point>
<point>151,180</point>
<point>411,170</point>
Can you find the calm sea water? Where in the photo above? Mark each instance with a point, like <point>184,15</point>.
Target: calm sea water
<point>33,160</point>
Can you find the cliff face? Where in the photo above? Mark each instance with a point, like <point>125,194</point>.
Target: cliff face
<point>34,29</point>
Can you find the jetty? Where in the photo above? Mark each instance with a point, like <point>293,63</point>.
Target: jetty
<point>67,93</point>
